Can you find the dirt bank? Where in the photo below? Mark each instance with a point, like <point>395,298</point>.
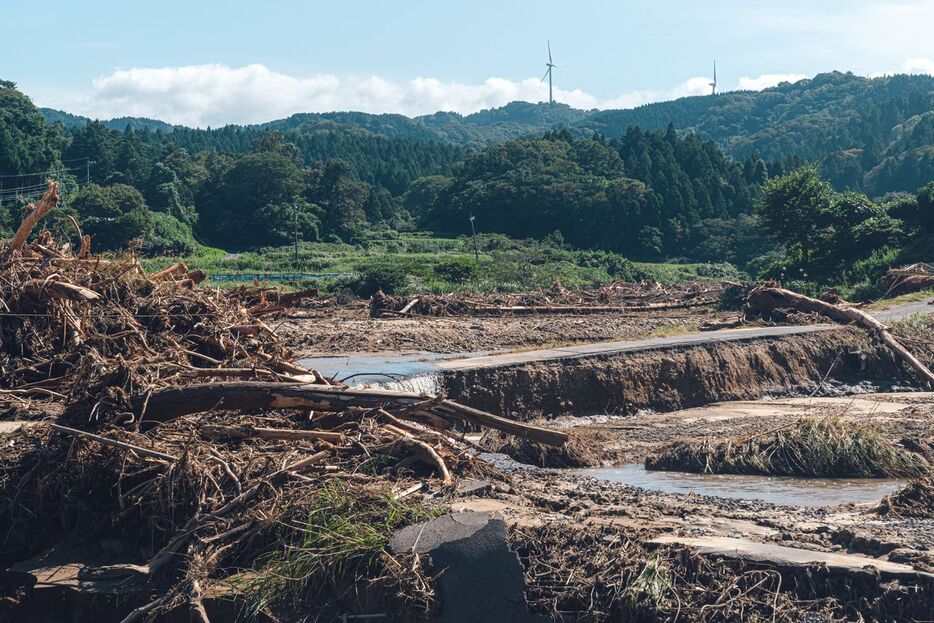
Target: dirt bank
<point>674,378</point>
<point>350,329</point>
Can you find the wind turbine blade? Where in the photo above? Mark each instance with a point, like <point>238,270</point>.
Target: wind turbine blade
<point>545,75</point>
<point>549,52</point>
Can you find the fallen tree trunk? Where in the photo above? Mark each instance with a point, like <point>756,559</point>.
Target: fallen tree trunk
<point>169,404</point>
<point>767,298</point>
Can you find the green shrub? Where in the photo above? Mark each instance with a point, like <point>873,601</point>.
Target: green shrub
<point>456,269</point>
<point>372,278</point>
<point>169,236</point>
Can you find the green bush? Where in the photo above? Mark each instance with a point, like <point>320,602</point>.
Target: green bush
<point>372,278</point>
<point>456,269</point>
<point>169,236</point>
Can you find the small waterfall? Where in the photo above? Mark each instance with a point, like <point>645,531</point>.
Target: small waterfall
<point>429,383</point>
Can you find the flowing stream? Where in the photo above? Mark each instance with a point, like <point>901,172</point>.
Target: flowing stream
<point>780,490</point>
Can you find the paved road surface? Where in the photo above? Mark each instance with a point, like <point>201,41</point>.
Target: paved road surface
<point>728,335</point>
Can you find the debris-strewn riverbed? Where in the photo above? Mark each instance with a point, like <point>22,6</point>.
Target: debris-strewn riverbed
<point>165,457</point>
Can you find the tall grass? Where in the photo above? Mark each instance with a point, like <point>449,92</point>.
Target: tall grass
<point>828,447</point>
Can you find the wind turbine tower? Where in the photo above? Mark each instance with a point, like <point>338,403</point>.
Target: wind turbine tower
<point>713,85</point>
<point>550,66</point>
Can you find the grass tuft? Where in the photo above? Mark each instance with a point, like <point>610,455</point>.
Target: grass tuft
<point>828,447</point>
<point>343,537</point>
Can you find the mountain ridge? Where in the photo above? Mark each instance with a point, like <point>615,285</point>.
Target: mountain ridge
<point>865,132</point>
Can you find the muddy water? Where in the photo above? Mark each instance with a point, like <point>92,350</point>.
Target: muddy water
<point>775,490</point>
<point>414,372</point>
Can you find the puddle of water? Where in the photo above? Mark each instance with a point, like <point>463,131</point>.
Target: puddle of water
<point>782,490</point>
<point>416,372</point>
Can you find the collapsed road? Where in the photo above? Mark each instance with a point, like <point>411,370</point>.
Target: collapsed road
<point>891,314</point>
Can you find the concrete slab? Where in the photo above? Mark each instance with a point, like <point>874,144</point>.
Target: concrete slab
<point>782,556</point>
<point>15,425</point>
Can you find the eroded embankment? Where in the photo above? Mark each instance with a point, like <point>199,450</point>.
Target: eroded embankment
<point>675,378</point>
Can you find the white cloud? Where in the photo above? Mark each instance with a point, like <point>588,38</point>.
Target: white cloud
<point>766,81</point>
<point>919,66</point>
<point>913,66</point>
<point>214,95</point>
<point>202,95</point>
<point>693,86</point>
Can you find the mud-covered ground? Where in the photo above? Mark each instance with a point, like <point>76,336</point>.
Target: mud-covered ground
<point>349,328</point>
<point>630,439</point>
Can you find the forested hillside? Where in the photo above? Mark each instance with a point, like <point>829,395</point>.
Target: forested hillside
<point>873,135</point>
<point>649,195</point>
<point>628,182</point>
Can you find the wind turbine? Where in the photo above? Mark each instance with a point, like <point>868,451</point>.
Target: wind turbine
<point>550,66</point>
<point>713,85</point>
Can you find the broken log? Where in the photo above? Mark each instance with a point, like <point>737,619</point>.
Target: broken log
<point>49,200</point>
<point>409,306</point>
<point>169,404</point>
<point>766,298</point>
<point>170,272</point>
<point>60,290</point>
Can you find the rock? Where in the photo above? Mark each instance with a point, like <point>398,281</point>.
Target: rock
<point>472,486</point>
<point>480,577</point>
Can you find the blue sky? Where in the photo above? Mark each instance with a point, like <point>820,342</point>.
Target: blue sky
<point>209,63</point>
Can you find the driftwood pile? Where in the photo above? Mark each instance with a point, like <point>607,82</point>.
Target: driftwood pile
<point>910,278</point>
<point>180,420</point>
<point>617,297</point>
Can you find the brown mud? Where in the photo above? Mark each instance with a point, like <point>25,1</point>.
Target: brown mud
<point>678,378</point>
<point>349,329</point>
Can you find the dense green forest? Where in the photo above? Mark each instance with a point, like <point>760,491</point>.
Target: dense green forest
<point>684,181</point>
<point>872,135</point>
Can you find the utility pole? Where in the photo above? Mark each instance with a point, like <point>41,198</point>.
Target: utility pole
<point>473,231</point>
<point>295,228</point>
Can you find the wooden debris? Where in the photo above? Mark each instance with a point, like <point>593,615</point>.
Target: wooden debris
<point>48,201</point>
<point>617,297</point>
<point>169,404</point>
<point>910,278</point>
<point>767,297</point>
<point>117,444</point>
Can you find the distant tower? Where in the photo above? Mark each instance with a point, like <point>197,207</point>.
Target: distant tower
<point>550,66</point>
<point>713,85</point>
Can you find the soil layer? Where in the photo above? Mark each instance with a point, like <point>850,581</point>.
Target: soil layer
<point>674,378</point>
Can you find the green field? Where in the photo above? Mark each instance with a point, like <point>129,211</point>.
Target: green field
<point>415,262</point>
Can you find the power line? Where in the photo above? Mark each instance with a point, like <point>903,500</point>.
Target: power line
<point>48,171</point>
